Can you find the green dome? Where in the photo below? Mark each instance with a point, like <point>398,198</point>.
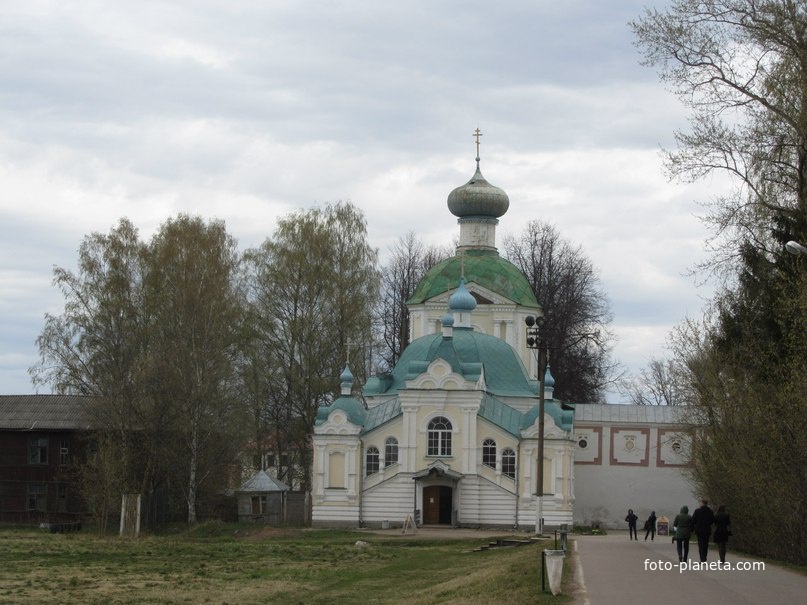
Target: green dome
<point>353,409</point>
<point>483,267</point>
<point>468,352</point>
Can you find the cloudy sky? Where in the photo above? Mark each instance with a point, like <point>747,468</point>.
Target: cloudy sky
<point>245,110</point>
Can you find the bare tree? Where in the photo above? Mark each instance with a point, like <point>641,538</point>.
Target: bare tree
<point>409,261</point>
<point>662,382</point>
<point>576,311</point>
<point>739,66</point>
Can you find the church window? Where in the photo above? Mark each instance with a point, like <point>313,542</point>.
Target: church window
<point>509,463</point>
<point>439,437</point>
<point>489,453</point>
<point>372,460</point>
<point>391,451</point>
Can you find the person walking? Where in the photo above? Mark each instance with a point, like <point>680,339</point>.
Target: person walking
<point>683,530</point>
<point>722,531</point>
<point>702,520</point>
<point>632,519</point>
<point>650,527</point>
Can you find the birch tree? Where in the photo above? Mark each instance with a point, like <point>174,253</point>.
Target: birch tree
<point>313,286</point>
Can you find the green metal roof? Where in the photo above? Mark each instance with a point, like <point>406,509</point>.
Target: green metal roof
<point>353,409</point>
<point>468,352</point>
<point>502,415</point>
<point>561,413</point>
<point>483,267</point>
<point>382,413</point>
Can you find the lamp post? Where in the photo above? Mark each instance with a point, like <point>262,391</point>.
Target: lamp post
<point>795,248</point>
<point>535,341</point>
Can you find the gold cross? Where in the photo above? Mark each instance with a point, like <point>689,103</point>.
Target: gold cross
<point>476,135</point>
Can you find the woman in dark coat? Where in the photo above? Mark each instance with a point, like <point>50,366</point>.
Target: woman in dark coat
<point>683,531</point>
<point>722,531</point>
<point>650,527</point>
<point>632,519</point>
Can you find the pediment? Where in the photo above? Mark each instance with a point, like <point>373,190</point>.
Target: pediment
<point>337,423</point>
<point>551,430</point>
<point>440,376</point>
<point>482,295</point>
<point>436,469</point>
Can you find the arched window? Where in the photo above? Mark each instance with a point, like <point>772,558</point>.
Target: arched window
<point>509,463</point>
<point>489,453</point>
<point>391,451</point>
<point>372,460</point>
<point>439,437</point>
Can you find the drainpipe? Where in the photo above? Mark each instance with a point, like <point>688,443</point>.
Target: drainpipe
<point>361,482</point>
<point>415,501</point>
<point>518,472</point>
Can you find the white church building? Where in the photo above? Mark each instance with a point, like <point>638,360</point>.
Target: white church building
<point>451,435</point>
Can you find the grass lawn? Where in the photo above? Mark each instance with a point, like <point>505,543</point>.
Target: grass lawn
<point>239,564</point>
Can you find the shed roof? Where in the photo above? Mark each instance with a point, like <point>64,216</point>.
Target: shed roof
<point>261,482</point>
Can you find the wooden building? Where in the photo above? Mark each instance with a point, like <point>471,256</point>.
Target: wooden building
<point>39,441</point>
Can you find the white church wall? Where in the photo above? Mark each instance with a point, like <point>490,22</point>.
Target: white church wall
<point>391,500</point>
<point>484,503</point>
<point>334,516</point>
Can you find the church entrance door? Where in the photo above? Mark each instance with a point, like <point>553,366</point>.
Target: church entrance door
<point>437,504</point>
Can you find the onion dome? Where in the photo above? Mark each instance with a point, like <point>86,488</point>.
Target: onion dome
<point>462,299</point>
<point>448,320</point>
<point>346,377</point>
<point>477,197</point>
<point>549,380</point>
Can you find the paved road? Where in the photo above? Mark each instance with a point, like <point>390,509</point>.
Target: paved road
<point>612,570</point>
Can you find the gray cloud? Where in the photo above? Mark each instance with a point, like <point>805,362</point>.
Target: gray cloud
<point>247,110</point>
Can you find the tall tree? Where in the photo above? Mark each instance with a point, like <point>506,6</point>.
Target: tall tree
<point>96,347</point>
<point>151,333</point>
<point>313,287</point>
<point>196,343</point>
<point>409,260</point>
<point>576,311</point>
<point>741,68</point>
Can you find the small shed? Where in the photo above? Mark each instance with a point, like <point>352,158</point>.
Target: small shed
<point>262,499</point>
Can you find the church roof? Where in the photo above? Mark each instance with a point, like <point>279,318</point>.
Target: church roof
<point>483,267</point>
<point>352,408</point>
<point>468,352</point>
<point>501,414</point>
<point>561,413</point>
<point>382,413</point>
